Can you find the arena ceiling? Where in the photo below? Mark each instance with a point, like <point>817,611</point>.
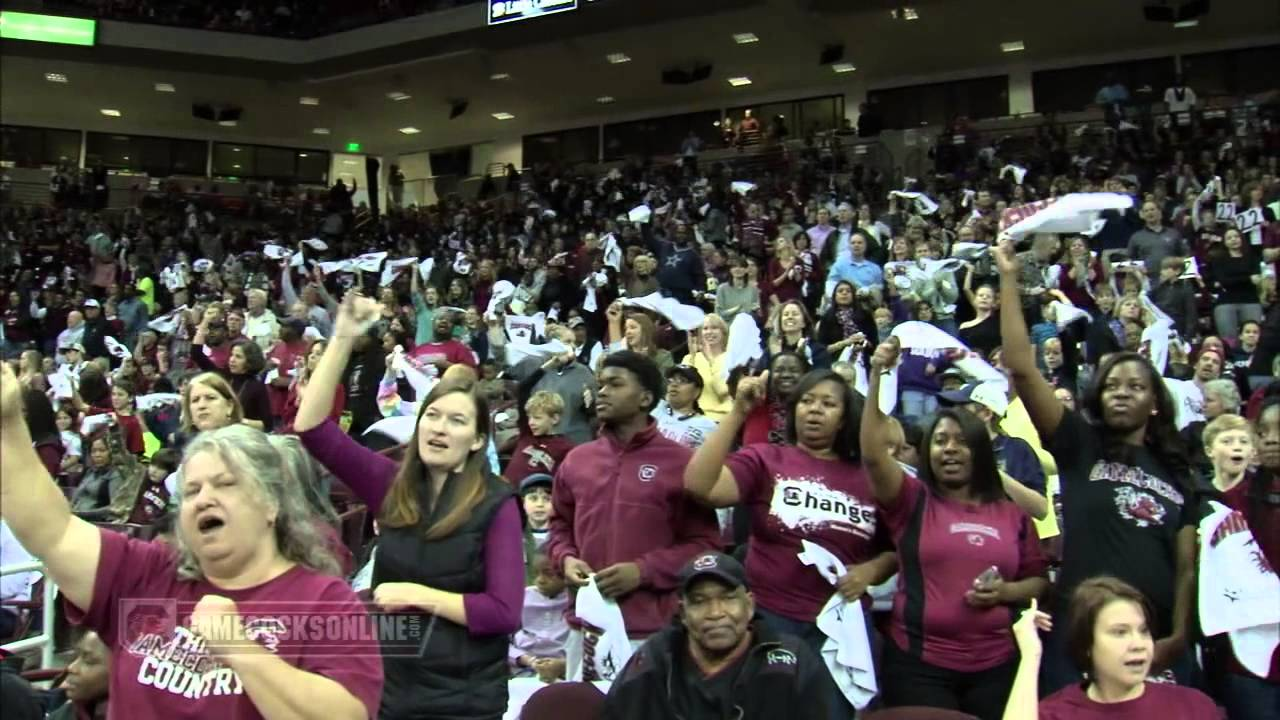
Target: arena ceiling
<point>557,69</point>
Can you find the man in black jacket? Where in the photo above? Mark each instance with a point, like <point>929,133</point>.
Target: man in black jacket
<point>716,660</point>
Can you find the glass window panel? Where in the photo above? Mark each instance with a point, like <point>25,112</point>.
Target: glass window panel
<point>231,160</point>
<point>314,167</point>
<point>22,146</point>
<point>59,144</point>
<point>189,157</point>
<point>274,162</point>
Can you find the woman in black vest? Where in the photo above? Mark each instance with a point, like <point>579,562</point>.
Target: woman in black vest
<point>450,544</point>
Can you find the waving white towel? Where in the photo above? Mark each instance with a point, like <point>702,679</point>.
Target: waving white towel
<point>1237,594</point>
<point>847,650</point>
<point>744,344</point>
<point>393,268</point>
<point>684,317</point>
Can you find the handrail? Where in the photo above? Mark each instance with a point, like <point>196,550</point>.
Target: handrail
<point>44,640</point>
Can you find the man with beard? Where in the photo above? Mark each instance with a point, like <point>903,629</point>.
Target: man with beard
<point>621,518</point>
<point>715,660</point>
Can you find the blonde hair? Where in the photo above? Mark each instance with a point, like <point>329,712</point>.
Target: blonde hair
<point>218,384</point>
<point>544,402</point>
<point>716,321</point>
<point>1226,423</point>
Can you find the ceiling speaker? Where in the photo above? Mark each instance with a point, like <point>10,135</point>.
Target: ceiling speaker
<point>686,76</point>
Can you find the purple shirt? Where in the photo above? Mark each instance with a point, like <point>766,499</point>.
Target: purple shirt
<point>160,670</point>
<point>544,631</point>
<point>496,611</point>
<point>942,549</point>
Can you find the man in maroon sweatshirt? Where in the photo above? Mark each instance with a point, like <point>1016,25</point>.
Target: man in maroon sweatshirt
<point>620,511</point>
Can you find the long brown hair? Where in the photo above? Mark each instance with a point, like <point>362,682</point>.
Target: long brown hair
<point>401,507</point>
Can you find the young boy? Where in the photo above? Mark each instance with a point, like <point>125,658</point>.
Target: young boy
<point>1176,297</point>
<point>1230,443</point>
<point>538,450</point>
<point>538,647</point>
<point>535,495</point>
<point>153,496</point>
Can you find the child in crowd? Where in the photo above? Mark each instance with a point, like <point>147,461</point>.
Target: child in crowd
<point>539,449</point>
<point>1048,326</point>
<point>538,647</point>
<point>1230,443</point>
<point>154,495</point>
<point>535,496</point>
<point>72,449</point>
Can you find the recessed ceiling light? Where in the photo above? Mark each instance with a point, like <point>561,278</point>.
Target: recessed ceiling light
<point>617,58</point>
<point>905,13</point>
<point>745,38</point>
<point>410,130</point>
<point>165,87</point>
<point>228,123</point>
<point>235,149</point>
<point>109,112</point>
<point>1186,23</point>
<point>236,167</point>
<point>739,81</point>
<point>604,99</point>
<point>302,154</point>
<point>308,101</point>
<point>843,67</point>
<point>503,116</point>
<point>397,95</point>
<point>1015,46</point>
<point>55,77</point>
<point>320,131</point>
<point>126,157</point>
<point>499,76</point>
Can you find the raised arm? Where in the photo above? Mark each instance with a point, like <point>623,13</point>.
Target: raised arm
<point>884,471</point>
<point>317,401</point>
<point>706,477</point>
<point>1018,354</point>
<point>1024,696</point>
<point>36,510</point>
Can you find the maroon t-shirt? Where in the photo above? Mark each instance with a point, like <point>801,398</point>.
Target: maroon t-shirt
<point>161,670</point>
<point>451,350</point>
<point>943,546</point>
<point>153,502</point>
<point>1158,702</point>
<point>793,496</point>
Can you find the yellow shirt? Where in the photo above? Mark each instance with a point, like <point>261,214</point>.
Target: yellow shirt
<point>147,292</point>
<point>714,400</point>
<point>1017,423</point>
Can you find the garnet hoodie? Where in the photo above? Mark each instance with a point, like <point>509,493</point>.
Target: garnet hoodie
<point>617,503</point>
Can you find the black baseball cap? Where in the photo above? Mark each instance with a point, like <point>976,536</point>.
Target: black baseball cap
<point>687,372</point>
<point>535,480</point>
<point>713,564</point>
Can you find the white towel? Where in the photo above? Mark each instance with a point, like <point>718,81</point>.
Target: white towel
<point>921,202</point>
<point>1018,172</point>
<point>399,428</point>
<point>393,268</point>
<point>501,292</point>
<point>152,401</point>
<point>518,350</point>
<point>525,328</point>
<point>369,262</point>
<point>847,650</point>
<point>613,649</point>
<point>969,250</point>
<point>317,244</point>
<point>684,317</point>
<point>1188,401</point>
<point>425,267</point>
<point>612,252</point>
<point>888,383</point>
<point>167,323</point>
<point>1237,594</point>
<point>275,252</point>
<point>116,348</point>
<point>744,344</point>
<point>640,214</point>
<point>1064,314</point>
<point>742,187</point>
<point>1074,213</point>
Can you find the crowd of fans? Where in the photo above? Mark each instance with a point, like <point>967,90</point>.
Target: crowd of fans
<point>804,441</point>
<point>279,18</point>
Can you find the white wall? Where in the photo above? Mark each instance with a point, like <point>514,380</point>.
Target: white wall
<point>1021,98</point>
<point>418,187</point>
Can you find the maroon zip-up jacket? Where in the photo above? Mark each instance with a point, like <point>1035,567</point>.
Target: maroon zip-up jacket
<point>618,503</point>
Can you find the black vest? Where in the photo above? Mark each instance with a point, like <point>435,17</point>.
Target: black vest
<point>456,675</point>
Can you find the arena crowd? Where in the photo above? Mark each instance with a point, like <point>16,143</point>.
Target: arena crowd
<point>673,440</point>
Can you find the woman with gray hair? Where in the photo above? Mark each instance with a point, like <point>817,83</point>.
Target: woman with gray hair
<point>242,619</point>
<point>1221,397</point>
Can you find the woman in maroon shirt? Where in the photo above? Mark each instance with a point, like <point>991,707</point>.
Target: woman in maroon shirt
<point>966,555</point>
<point>203,620</point>
<point>1109,625</point>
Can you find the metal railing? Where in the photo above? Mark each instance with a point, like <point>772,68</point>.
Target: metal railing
<point>44,640</point>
